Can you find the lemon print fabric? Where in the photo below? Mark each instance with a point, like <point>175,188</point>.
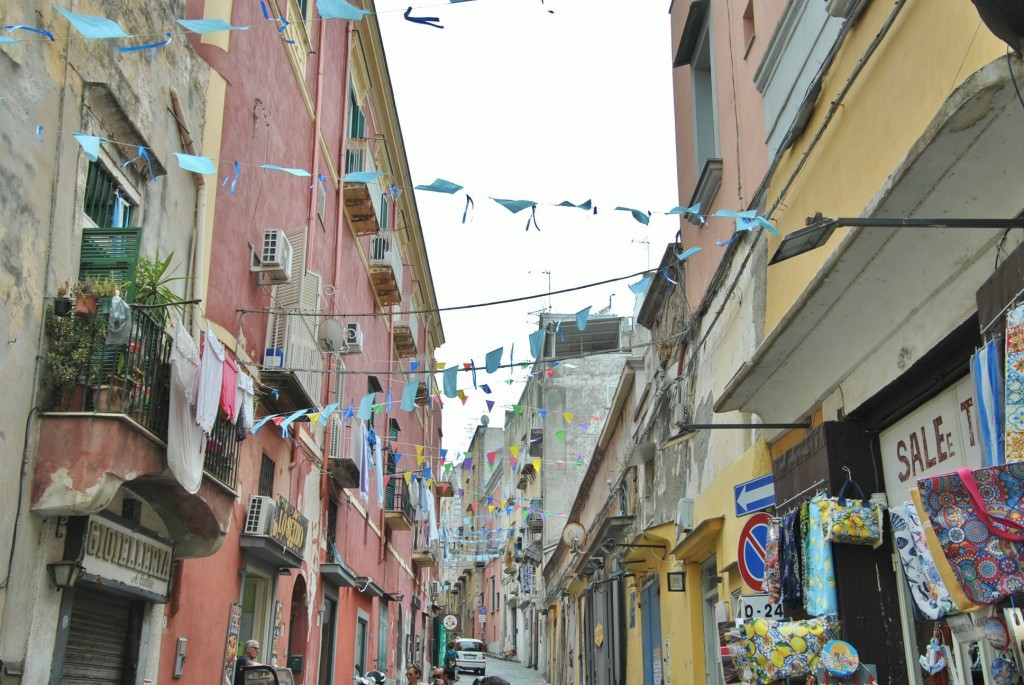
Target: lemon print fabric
<point>853,521</point>
<point>820,578</point>
<point>773,650</point>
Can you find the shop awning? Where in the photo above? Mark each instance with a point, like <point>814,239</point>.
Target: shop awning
<point>700,541</point>
<point>339,574</point>
<point>269,551</point>
<point>650,540</point>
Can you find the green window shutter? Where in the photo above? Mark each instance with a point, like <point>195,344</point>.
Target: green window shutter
<point>112,252</point>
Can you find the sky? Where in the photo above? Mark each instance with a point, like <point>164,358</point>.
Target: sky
<point>532,100</point>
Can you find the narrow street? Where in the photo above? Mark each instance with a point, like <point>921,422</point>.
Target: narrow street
<point>512,671</point>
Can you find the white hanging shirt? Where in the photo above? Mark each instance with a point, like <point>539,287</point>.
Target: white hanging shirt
<point>211,375</point>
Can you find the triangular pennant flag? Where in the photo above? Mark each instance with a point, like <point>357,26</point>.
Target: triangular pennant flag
<point>514,449</point>
<point>543,413</point>
<point>560,435</point>
<point>486,388</point>
<point>449,381</point>
<point>641,285</point>
<point>493,359</point>
<point>513,461</point>
<point>517,409</point>
<point>536,465</point>
<point>387,479</point>
<point>314,417</point>
<point>398,458</point>
<point>93,27</point>
<point>468,464</point>
<point>581,318</point>
<point>490,405</point>
<point>490,508</point>
<point>339,9</point>
<point>536,342</point>
<point>491,456</point>
<point>515,206</point>
<point>426,472</point>
<point>408,477</point>
<point>567,416</point>
<point>90,145</point>
<point>461,394</point>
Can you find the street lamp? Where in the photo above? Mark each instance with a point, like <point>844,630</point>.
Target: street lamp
<point>64,574</point>
<point>819,229</point>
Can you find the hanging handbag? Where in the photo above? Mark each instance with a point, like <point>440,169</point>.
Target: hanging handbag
<point>770,650</point>
<point>978,520</point>
<point>854,521</point>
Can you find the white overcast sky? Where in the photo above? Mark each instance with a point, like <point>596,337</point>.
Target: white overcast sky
<point>513,101</point>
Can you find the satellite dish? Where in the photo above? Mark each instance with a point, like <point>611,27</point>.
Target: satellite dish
<point>575,536</point>
<point>484,420</point>
<point>331,335</point>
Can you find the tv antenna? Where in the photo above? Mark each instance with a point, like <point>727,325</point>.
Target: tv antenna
<point>549,285</point>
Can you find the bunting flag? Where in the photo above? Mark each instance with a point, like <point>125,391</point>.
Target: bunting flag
<point>513,461</point>
<point>581,318</point>
<point>409,391</point>
<point>491,456</point>
<point>448,382</point>
<point>567,416</point>
<point>543,413</point>
<point>490,405</point>
<point>493,359</point>
<point>468,463</point>
<point>536,342</point>
<point>561,436</point>
<point>514,449</point>
<point>536,465</point>
<point>365,407</point>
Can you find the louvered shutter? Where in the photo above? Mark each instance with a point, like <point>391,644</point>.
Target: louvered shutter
<point>110,253</point>
<point>288,296</point>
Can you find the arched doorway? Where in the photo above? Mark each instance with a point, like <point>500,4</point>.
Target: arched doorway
<point>298,616</point>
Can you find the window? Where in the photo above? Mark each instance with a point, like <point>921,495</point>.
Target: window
<point>385,210</point>
<point>105,202</point>
<point>266,486</point>
<point>356,119</point>
<point>382,639</point>
<point>494,596</point>
<point>332,528</point>
<point>705,109</point>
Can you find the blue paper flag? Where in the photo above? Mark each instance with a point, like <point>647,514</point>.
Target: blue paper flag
<point>449,381</point>
<point>441,186</point>
<point>493,360</point>
<point>581,318</point>
<point>515,206</point>
<point>90,145</point>
<point>293,172</point>
<point>409,391</point>
<point>687,253</point>
<point>743,219</point>
<point>536,342</point>
<point>413,365</point>
<point>147,46</point>
<point>641,285</point>
<point>92,27</point>
<point>361,176</point>
<point>209,25</point>
<point>7,40</point>
<point>339,9</point>
<point>543,413</point>
<point>196,164</point>
<point>642,217</point>
<point>582,205</point>
<point>33,29</point>
<point>695,210</point>
<point>365,407</point>
<point>486,388</point>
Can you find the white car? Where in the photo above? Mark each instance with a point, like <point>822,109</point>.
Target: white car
<point>471,655</point>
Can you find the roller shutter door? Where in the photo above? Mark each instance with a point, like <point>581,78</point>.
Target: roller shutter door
<point>99,640</point>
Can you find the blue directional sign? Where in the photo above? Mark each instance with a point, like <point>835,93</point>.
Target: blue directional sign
<point>754,495</point>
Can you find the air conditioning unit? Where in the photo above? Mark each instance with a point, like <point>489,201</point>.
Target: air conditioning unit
<point>353,338</point>
<point>261,515</point>
<point>434,588</point>
<point>684,514</point>
<point>275,263</point>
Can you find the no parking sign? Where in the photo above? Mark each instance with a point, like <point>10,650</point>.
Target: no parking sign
<point>750,556</point>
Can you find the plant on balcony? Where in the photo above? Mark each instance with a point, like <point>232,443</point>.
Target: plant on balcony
<point>62,304</point>
<point>72,341</point>
<point>152,282</point>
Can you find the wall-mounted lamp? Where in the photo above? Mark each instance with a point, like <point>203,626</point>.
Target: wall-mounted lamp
<point>676,581</point>
<point>689,430</point>
<point>64,574</point>
<point>819,229</point>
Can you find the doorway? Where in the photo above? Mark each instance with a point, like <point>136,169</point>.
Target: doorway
<point>650,623</point>
<point>328,637</point>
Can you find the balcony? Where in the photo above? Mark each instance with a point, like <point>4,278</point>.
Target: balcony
<point>535,519</point>
<point>106,428</point>
<point>340,465</point>
<point>360,208</point>
<point>424,557</point>
<point>385,264</point>
<point>406,332</point>
<point>398,514</point>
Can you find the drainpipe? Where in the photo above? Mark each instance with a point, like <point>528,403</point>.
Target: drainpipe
<point>198,256</point>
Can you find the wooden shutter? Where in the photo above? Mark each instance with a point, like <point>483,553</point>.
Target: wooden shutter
<point>110,252</point>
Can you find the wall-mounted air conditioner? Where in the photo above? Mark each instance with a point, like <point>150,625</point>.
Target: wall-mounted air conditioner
<point>275,258</point>
<point>353,338</point>
<point>434,588</point>
<point>261,515</point>
<point>684,514</point>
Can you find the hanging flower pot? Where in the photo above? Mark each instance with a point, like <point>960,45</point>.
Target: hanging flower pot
<point>86,304</point>
<point>62,306</point>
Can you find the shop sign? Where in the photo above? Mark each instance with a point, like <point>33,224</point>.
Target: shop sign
<point>940,436</point>
<point>289,528</point>
<point>115,552</point>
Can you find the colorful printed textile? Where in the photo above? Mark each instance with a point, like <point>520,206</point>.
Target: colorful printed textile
<point>853,521</point>
<point>987,370</point>
<point>1014,428</point>
<point>931,598</point>
<point>789,564</point>
<point>820,573</point>
<point>772,570</point>
<point>978,518</point>
<point>773,650</point>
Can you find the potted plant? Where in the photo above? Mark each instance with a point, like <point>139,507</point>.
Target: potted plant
<point>86,299</point>
<point>62,304</point>
<point>152,282</point>
<point>72,342</point>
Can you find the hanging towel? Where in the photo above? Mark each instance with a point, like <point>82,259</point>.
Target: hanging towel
<point>364,463</point>
<point>821,576</point>
<point>380,474</point>
<point>210,376</point>
<point>244,397</point>
<point>185,450</point>
<point>228,389</point>
<point>931,599</point>
<point>791,586</point>
<point>431,520</point>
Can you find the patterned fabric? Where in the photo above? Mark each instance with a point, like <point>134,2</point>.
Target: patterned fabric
<point>1014,427</point>
<point>987,370</point>
<point>988,567</point>
<point>773,650</point>
<point>853,521</point>
<point>931,598</point>
<point>821,577</point>
<point>772,569</point>
<point>789,549</point>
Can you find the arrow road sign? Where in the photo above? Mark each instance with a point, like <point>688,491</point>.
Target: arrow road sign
<point>754,495</point>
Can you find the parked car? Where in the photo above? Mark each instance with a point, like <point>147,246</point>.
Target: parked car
<point>471,656</point>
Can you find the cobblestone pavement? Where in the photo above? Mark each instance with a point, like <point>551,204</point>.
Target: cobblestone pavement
<point>512,671</point>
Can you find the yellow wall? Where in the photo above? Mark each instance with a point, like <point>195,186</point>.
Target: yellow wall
<point>930,50</point>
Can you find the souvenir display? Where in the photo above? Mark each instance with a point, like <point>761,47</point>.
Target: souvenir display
<point>765,650</point>
<point>853,521</point>
<point>978,518</point>
<point>840,658</point>
<point>819,572</point>
<point>932,600</point>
